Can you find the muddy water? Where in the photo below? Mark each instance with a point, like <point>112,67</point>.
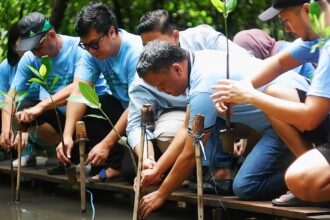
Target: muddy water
<point>44,201</point>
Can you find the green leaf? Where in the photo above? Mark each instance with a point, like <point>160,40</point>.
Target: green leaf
<point>219,5</point>
<point>55,80</point>
<point>89,94</point>
<point>42,71</point>
<point>21,95</point>
<point>230,5</point>
<point>45,60</point>
<point>314,9</point>
<point>36,80</point>
<point>95,116</point>
<point>81,99</point>
<point>34,71</point>
<point>315,46</point>
<point>3,104</point>
<point>327,32</point>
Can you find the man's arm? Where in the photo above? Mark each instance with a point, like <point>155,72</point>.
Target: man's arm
<point>74,112</point>
<point>273,67</point>
<point>7,111</point>
<point>152,176</point>
<point>59,99</point>
<point>182,168</point>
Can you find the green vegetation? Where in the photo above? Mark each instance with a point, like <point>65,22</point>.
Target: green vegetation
<point>187,13</point>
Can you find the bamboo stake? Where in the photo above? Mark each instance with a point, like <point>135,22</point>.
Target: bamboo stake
<point>18,174</point>
<point>146,119</point>
<point>197,132</point>
<point>81,138</point>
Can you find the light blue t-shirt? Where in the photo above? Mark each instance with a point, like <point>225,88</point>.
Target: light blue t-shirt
<point>7,73</point>
<point>209,66</point>
<point>192,39</point>
<point>205,37</point>
<point>63,65</point>
<point>321,82</point>
<point>301,51</point>
<point>119,71</point>
<point>306,69</point>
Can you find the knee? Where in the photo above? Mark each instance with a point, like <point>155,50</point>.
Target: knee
<point>244,190</point>
<point>274,90</point>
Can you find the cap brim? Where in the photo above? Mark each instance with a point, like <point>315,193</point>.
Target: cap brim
<point>269,13</point>
<point>29,43</point>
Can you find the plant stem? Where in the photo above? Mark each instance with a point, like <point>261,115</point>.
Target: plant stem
<point>113,127</point>
<point>227,70</point>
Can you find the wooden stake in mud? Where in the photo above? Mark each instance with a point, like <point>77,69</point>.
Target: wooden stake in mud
<point>197,133</point>
<point>81,138</point>
<point>147,118</point>
<point>18,174</point>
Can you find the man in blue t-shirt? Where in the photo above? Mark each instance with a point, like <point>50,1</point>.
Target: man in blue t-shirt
<point>169,110</point>
<point>38,38</point>
<point>181,72</point>
<point>290,119</point>
<point>114,53</point>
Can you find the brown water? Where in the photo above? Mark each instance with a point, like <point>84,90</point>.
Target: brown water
<point>45,201</point>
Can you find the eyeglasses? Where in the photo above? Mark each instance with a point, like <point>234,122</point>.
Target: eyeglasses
<point>38,46</point>
<point>94,44</point>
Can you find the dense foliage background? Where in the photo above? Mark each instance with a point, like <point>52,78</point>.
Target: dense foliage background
<point>187,13</point>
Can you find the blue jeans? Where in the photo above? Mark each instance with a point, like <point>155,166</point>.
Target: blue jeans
<point>215,157</point>
<point>261,176</point>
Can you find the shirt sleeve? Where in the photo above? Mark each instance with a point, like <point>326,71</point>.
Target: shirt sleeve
<point>23,73</point>
<point>301,51</point>
<point>86,68</point>
<point>201,103</point>
<point>138,96</point>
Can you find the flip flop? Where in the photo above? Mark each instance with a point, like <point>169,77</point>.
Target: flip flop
<point>289,200</point>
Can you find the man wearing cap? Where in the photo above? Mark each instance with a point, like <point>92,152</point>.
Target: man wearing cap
<point>300,125</point>
<point>39,39</point>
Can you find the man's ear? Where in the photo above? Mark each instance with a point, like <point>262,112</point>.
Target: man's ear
<point>177,69</point>
<point>175,35</point>
<point>51,33</point>
<point>306,7</point>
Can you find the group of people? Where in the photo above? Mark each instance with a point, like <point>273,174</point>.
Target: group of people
<point>276,90</point>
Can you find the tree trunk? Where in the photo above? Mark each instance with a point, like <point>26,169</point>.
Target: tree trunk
<point>59,7</point>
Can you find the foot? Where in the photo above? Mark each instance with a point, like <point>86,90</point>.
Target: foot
<point>26,160</point>
<point>109,173</point>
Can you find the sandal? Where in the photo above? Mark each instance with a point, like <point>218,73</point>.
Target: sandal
<point>289,200</point>
<point>102,176</point>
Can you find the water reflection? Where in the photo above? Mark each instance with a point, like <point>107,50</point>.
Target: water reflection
<point>44,201</point>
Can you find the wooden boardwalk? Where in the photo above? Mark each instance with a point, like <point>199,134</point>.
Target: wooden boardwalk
<point>185,196</point>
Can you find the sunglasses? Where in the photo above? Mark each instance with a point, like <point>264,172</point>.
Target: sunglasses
<point>94,44</point>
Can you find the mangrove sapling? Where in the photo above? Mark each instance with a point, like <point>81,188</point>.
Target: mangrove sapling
<point>17,98</point>
<point>90,98</point>
<point>42,78</point>
<point>226,135</point>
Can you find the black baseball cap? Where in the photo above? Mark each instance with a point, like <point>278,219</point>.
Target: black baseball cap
<point>32,28</point>
<point>278,6</point>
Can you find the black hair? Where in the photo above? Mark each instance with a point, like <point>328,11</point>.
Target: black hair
<point>13,35</point>
<point>159,56</point>
<point>96,16</point>
<point>158,20</point>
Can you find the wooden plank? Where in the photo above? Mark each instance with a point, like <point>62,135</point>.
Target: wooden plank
<point>185,195</point>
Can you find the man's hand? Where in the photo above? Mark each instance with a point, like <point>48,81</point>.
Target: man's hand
<point>149,203</point>
<point>148,163</point>
<point>230,91</point>
<point>64,153</point>
<point>150,177</point>
<point>7,140</point>
<point>98,155</point>
<point>29,114</point>
<point>239,148</point>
